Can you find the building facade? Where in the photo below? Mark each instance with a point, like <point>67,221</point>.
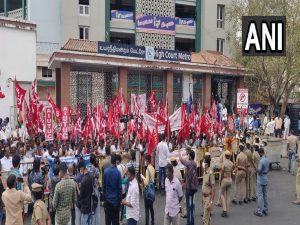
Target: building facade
<point>17,60</point>
<point>198,25</point>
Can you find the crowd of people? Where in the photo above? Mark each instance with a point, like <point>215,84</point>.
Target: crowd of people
<point>115,173</point>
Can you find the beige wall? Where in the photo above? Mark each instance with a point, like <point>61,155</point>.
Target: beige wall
<point>71,20</point>
<point>210,32</point>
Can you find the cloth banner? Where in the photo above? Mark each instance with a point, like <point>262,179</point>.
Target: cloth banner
<point>121,15</point>
<point>186,22</point>
<point>64,123</point>
<point>155,24</point>
<point>49,124</point>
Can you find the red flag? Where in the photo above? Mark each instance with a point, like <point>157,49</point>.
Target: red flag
<point>56,109</point>
<point>213,110</point>
<point>28,121</point>
<point>2,95</point>
<point>231,123</point>
<point>168,130</point>
<point>20,95</point>
<point>78,124</point>
<point>152,101</point>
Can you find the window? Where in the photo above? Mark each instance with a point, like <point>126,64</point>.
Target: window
<point>46,72</point>
<point>84,33</point>
<point>220,16</point>
<point>220,45</point>
<point>84,7</point>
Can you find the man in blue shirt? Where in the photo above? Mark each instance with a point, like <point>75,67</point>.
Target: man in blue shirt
<point>112,190</point>
<point>262,183</point>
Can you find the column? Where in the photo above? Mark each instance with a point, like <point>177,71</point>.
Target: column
<point>169,90</point>
<point>122,80</point>
<point>107,20</point>
<point>65,85</point>
<point>57,86</point>
<point>240,82</point>
<point>187,86</point>
<point>198,26</point>
<point>207,90</point>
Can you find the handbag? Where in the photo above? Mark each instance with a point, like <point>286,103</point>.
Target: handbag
<point>150,189</point>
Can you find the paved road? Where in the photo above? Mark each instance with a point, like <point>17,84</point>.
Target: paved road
<point>281,211</point>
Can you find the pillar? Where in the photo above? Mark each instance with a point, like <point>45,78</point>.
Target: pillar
<point>65,85</point>
<point>207,92</point>
<point>240,82</point>
<point>187,86</point>
<point>169,90</point>
<point>198,26</point>
<point>122,80</point>
<point>107,20</point>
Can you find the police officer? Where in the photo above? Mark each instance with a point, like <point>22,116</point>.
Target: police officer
<point>255,160</point>
<point>40,215</point>
<point>208,189</point>
<point>226,183</point>
<point>240,180</point>
<point>250,172</point>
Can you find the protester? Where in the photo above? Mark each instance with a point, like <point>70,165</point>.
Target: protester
<point>132,199</point>
<point>36,175</point>
<point>14,201</point>
<point>262,183</point>
<point>286,124</point>
<point>16,171</point>
<point>40,215</point>
<point>112,190</point>
<point>150,177</point>
<point>297,201</point>
<point>64,197</point>
<point>6,162</point>
<point>162,152</point>
<point>191,181</point>
<point>278,126</point>
<point>173,197</point>
<point>94,172</point>
<point>51,186</point>
<point>1,202</point>
<point>85,195</point>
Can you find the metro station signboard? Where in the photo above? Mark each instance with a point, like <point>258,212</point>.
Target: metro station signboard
<point>125,50</point>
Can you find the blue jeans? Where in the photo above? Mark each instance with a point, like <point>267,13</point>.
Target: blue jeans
<point>96,216</point>
<point>161,177</point>
<point>1,215</point>
<point>189,195</point>
<point>131,222</point>
<point>262,201</point>
<point>292,161</point>
<point>86,219</point>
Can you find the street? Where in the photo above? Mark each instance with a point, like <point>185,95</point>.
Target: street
<point>281,211</point>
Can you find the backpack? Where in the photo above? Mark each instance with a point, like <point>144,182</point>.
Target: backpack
<point>150,189</point>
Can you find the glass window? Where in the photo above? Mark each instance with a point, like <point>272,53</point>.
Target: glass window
<point>46,72</point>
<point>220,16</point>
<point>84,33</point>
<point>84,2</point>
<point>220,44</point>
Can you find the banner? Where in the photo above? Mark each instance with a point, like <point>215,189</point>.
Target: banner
<point>49,124</point>
<point>121,15</point>
<point>186,22</point>
<point>138,103</point>
<point>155,24</point>
<point>64,123</point>
<point>125,50</point>
<point>242,98</point>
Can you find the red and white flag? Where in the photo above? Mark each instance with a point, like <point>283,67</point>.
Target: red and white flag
<point>49,124</point>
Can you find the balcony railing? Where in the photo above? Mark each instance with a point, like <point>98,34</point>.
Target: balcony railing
<point>15,14</point>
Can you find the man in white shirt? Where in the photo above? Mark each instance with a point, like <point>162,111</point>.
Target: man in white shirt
<point>114,148</point>
<point>101,148</point>
<point>3,134</point>
<point>6,162</point>
<point>162,152</point>
<point>174,196</point>
<point>132,199</point>
<point>287,124</point>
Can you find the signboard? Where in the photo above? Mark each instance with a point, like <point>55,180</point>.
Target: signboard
<point>142,52</point>
<point>121,15</point>
<point>186,22</point>
<point>64,123</point>
<point>155,24</point>
<point>242,99</point>
<point>49,124</point>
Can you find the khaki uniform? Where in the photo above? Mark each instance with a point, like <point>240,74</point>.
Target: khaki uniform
<point>298,181</point>
<point>255,159</point>
<point>250,174</point>
<point>39,213</point>
<point>240,180</point>
<point>226,184</point>
<point>208,182</point>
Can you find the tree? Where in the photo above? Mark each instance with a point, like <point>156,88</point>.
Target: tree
<point>274,77</point>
